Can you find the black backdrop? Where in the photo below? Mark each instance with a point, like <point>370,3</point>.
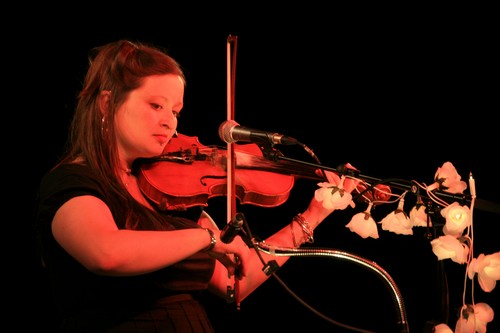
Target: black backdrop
<point>396,96</point>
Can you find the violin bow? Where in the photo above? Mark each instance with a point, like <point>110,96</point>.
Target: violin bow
<point>232,42</point>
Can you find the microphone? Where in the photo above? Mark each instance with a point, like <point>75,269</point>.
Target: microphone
<point>230,131</point>
<point>232,228</point>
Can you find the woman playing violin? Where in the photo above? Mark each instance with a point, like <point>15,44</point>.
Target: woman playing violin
<point>115,261</point>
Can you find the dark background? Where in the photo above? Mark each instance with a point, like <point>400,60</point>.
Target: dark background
<point>394,95</point>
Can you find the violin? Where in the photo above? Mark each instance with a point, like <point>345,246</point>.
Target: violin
<point>195,173</point>
<point>188,174</point>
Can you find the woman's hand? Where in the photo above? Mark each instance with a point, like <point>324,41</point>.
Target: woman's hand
<point>233,255</point>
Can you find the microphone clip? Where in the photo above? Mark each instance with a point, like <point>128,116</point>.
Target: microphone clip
<point>233,228</point>
<point>269,152</point>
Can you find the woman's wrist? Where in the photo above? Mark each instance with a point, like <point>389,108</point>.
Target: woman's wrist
<point>213,240</point>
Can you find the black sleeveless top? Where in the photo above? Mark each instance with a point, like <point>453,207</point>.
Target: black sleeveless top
<point>78,290</point>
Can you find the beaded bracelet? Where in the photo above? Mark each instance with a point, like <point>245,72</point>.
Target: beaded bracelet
<point>306,228</point>
<point>213,241</point>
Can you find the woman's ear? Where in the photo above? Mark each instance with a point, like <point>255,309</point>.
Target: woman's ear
<point>104,98</point>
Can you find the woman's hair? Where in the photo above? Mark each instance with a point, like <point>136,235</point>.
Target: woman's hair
<point>118,68</point>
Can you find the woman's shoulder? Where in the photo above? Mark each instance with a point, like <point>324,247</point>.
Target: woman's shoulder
<point>69,176</point>
<point>61,171</point>
<point>62,183</point>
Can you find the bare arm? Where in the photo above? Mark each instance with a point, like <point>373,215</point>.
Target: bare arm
<point>85,228</point>
<point>254,276</point>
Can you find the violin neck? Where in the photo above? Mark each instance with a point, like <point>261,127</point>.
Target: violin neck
<point>286,167</point>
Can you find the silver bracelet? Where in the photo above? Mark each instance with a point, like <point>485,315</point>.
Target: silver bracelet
<point>306,228</point>
<point>213,240</point>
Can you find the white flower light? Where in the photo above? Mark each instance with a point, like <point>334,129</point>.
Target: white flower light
<point>333,196</point>
<point>397,221</point>
<point>474,318</point>
<point>448,179</point>
<point>457,219</point>
<point>363,224</point>
<point>487,268</point>
<point>449,247</point>
<point>418,216</point>
<point>442,328</point>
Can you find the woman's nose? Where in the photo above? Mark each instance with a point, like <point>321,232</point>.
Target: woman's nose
<point>169,120</point>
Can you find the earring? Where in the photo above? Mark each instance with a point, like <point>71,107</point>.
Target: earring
<point>102,125</point>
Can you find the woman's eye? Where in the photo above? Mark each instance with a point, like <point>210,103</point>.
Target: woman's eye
<point>159,107</point>
<point>156,106</point>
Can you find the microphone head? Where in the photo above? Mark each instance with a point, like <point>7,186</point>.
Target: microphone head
<point>225,130</point>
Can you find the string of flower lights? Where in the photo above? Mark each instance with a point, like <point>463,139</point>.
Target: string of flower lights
<point>455,242</point>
